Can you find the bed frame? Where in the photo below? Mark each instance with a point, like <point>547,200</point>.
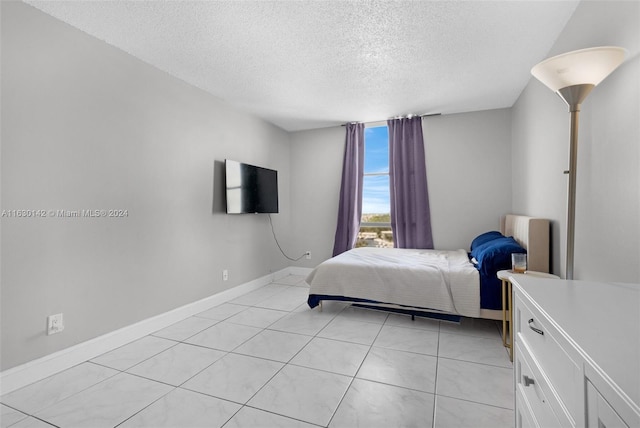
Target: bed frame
<point>530,232</point>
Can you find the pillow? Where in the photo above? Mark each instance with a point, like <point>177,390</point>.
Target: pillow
<point>485,237</point>
<point>495,255</point>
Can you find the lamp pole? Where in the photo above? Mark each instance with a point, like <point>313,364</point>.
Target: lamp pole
<point>572,76</point>
<point>574,96</point>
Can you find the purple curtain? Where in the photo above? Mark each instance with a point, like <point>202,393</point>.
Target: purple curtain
<point>410,214</point>
<point>350,206</point>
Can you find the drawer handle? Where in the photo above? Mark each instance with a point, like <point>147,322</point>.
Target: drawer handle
<point>537,330</point>
<point>527,380</point>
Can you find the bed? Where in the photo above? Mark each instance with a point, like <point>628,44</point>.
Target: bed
<point>437,283</point>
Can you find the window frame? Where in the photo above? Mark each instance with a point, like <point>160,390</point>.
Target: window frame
<point>375,174</point>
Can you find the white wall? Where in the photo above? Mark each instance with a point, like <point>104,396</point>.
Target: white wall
<point>607,245</point>
<point>316,171</point>
<point>86,126</point>
<point>469,174</point>
<point>468,171</point>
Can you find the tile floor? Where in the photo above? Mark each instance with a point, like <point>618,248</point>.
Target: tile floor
<point>267,360</point>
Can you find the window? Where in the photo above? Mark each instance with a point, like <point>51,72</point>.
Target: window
<point>375,226</point>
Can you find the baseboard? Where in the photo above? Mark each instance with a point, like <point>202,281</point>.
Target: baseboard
<point>43,367</point>
<point>294,270</point>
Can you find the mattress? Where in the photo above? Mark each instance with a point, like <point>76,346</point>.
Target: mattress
<point>427,279</point>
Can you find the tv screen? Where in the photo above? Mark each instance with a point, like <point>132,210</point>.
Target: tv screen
<point>250,188</point>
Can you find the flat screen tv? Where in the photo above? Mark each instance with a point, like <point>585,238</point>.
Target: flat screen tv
<point>250,188</point>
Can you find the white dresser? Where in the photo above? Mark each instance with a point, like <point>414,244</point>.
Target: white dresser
<point>577,353</point>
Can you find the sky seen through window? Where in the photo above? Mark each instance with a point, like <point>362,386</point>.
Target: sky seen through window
<point>375,195</point>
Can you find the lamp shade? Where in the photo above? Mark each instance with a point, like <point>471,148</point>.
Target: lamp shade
<point>584,66</point>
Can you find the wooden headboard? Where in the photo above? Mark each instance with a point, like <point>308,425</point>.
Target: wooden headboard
<point>533,234</point>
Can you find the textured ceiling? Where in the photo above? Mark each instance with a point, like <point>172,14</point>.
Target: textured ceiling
<point>311,64</point>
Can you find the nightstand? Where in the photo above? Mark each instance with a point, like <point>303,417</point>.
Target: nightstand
<point>507,304</point>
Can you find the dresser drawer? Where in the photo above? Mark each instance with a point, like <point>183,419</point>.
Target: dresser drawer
<point>584,342</point>
<point>533,329</point>
<point>534,391</point>
<point>523,412</point>
<point>600,414</point>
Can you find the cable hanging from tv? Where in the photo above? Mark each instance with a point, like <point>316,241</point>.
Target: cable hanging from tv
<point>278,244</point>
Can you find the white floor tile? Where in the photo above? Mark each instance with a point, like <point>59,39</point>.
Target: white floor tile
<point>408,339</point>
<point>184,409</point>
<point>308,322</point>
<point>365,315</point>
<point>328,307</point>
<point>305,394</point>
<point>221,312</point>
<point>178,364</point>
<point>185,329</point>
<point>400,320</point>
<point>399,368</point>
<point>372,405</point>
<point>254,418</point>
<point>257,296</point>
<point>479,383</point>
<point>351,331</point>
<point>9,416</point>
<point>472,327</point>
<point>56,388</point>
<point>290,366</point>
<point>133,353</point>
<point>224,336</point>
<point>234,377</point>
<point>106,404</point>
<point>286,300</point>
<point>453,413</point>
<point>273,345</point>
<point>31,422</point>
<point>474,349</point>
<point>290,280</point>
<point>257,317</point>
<point>332,356</point>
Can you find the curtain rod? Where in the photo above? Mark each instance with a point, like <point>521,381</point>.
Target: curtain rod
<point>398,117</point>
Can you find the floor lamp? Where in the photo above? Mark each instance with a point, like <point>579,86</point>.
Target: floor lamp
<point>572,76</point>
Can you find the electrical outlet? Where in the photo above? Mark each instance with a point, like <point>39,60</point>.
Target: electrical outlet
<point>308,255</point>
<point>55,324</point>
<point>225,275</point>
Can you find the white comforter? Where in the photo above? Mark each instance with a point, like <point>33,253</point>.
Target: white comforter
<point>441,280</point>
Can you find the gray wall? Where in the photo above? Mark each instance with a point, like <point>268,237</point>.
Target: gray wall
<point>316,170</point>
<point>86,126</point>
<point>469,174</point>
<point>468,170</point>
<point>607,245</point>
